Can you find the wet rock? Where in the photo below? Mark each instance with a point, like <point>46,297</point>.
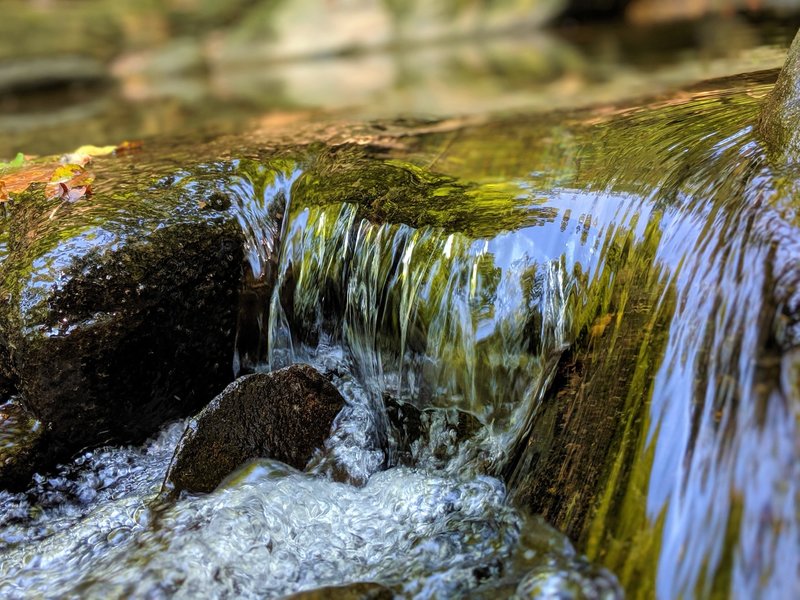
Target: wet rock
<point>649,12</point>
<point>780,114</point>
<point>350,591</point>
<point>564,462</point>
<point>284,415</point>
<point>550,574</point>
<point>406,421</point>
<point>579,580</point>
<point>433,436</point>
<point>22,438</point>
<point>117,312</point>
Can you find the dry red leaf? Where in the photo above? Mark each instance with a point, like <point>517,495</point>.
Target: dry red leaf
<point>70,181</point>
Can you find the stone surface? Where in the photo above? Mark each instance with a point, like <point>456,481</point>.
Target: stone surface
<point>285,415</point>
<point>781,111</point>
<point>412,426</point>
<point>117,312</point>
<point>22,438</point>
<point>643,12</point>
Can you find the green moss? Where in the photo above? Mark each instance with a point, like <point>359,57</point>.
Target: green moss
<point>781,110</point>
<point>398,191</point>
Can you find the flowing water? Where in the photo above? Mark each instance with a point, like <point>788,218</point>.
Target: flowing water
<point>650,254</point>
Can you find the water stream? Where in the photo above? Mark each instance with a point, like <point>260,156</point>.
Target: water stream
<point>653,251</point>
<point>425,315</point>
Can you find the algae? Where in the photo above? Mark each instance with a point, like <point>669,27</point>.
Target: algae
<point>780,114</point>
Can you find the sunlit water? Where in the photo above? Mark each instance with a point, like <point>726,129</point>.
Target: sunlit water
<point>697,229</point>
<point>422,516</point>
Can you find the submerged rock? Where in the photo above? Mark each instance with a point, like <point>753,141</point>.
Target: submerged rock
<point>581,581</point>
<point>117,312</point>
<point>433,435</point>
<point>284,415</point>
<point>21,441</point>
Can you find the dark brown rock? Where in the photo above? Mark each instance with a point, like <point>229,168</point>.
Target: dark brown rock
<point>284,415</point>
<point>412,425</point>
<point>22,438</point>
<point>117,312</point>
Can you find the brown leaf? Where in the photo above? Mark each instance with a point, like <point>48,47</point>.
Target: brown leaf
<point>128,146</point>
<point>65,177</point>
<point>19,180</point>
<point>69,183</point>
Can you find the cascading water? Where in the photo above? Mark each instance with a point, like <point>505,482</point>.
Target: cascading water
<point>705,477</point>
<point>430,318</point>
<point>633,282</point>
<point>724,464</point>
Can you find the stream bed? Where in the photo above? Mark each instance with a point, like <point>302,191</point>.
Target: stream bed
<point>568,342</point>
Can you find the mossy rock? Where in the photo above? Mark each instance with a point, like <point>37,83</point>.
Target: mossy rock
<point>779,124</point>
<point>22,441</point>
<point>118,311</point>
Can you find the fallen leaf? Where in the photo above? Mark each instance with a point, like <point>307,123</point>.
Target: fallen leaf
<point>69,183</point>
<point>128,146</point>
<point>17,161</point>
<point>85,154</point>
<point>75,193</point>
<point>19,180</point>
<point>66,172</point>
<point>17,174</point>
